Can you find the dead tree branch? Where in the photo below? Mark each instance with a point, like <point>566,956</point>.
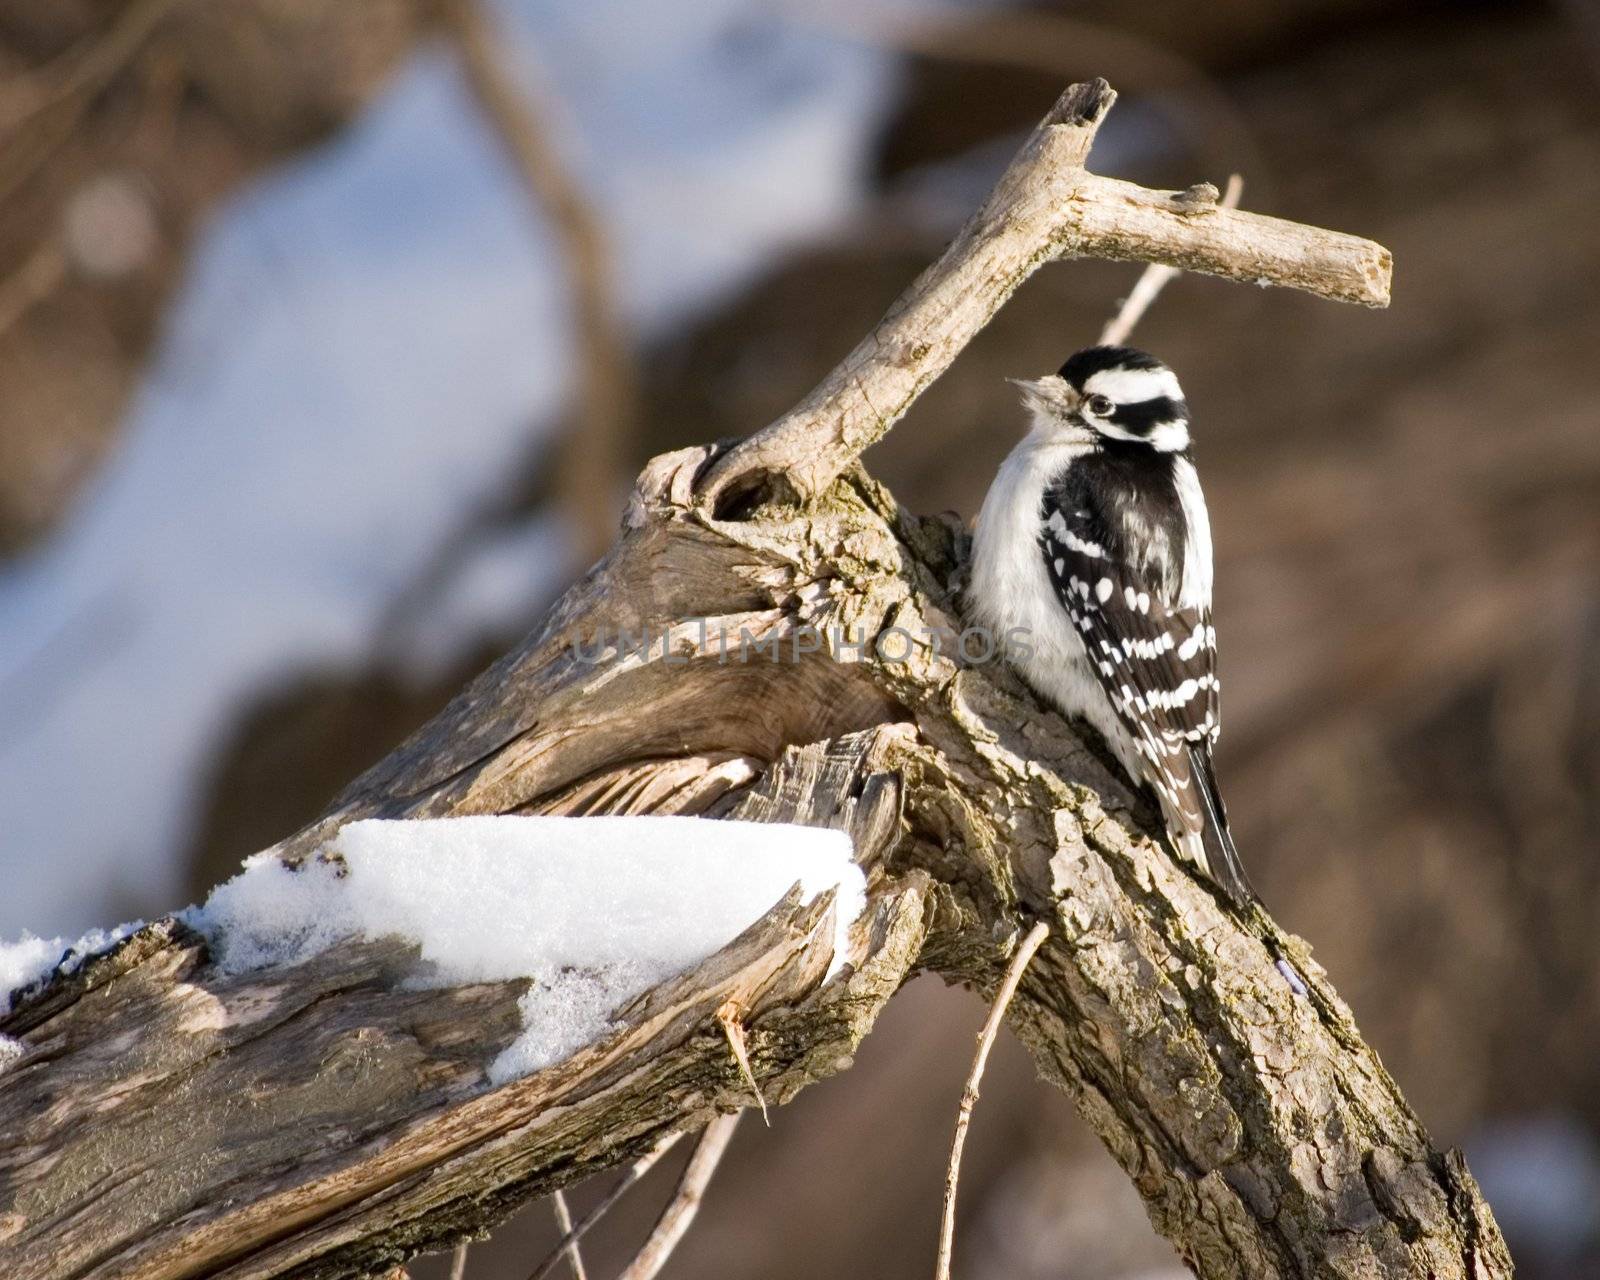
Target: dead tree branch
<point>1045,206</point>
<point>355,1108</point>
<point>969,1095</point>
<point>165,1120</point>
<point>1152,280</point>
<point>679,1215</point>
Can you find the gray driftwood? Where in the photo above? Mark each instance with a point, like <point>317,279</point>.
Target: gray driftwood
<point>168,1122</point>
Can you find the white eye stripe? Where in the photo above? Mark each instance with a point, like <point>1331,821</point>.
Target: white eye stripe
<point>1128,386</point>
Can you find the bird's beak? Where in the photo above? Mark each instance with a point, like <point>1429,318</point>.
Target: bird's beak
<point>1052,394</point>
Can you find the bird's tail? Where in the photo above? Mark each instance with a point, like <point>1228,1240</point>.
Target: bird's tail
<point>1222,858</point>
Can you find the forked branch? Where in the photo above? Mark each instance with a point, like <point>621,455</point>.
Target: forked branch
<point>1045,206</point>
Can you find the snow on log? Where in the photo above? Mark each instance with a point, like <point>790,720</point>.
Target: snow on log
<point>592,911</point>
<point>336,1110</point>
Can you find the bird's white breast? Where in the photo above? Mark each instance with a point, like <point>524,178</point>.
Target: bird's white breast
<point>1012,597</point>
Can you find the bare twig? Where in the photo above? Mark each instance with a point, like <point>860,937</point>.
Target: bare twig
<point>592,455</point>
<point>558,1202</point>
<point>1152,280</point>
<point>679,1214</point>
<point>969,1095</point>
<point>728,1018</point>
<point>458,1261</point>
<point>1046,205</point>
<point>636,1170</point>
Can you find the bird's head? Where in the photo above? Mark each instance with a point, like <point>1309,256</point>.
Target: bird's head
<point>1113,393</point>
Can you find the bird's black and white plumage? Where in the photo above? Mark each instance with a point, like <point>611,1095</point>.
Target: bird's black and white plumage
<point>1092,559</point>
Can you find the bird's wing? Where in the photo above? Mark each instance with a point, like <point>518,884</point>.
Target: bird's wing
<point>1157,661</point>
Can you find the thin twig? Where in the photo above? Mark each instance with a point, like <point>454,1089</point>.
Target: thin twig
<point>458,1261</point>
<point>1152,280</point>
<point>592,456</point>
<point>969,1095</point>
<point>558,1202</point>
<point>637,1170</point>
<point>677,1217</point>
<point>728,1018</point>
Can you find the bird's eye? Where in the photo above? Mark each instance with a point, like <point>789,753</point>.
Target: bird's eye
<point>1101,406</point>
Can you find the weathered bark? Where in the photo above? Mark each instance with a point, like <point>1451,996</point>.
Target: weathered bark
<point>330,1120</point>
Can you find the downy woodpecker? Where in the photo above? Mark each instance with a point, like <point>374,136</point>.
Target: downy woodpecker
<point>1092,555</point>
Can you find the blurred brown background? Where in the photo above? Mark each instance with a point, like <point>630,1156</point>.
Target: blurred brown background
<point>1406,508</point>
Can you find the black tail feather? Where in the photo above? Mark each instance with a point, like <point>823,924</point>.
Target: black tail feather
<point>1222,858</point>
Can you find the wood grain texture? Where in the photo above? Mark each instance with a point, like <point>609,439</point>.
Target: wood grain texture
<point>329,1119</point>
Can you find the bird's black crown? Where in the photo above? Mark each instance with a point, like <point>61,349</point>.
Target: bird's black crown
<point>1083,365</point>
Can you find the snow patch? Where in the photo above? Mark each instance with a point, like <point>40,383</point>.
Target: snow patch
<point>592,910</point>
<point>25,961</point>
<point>10,1051</point>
